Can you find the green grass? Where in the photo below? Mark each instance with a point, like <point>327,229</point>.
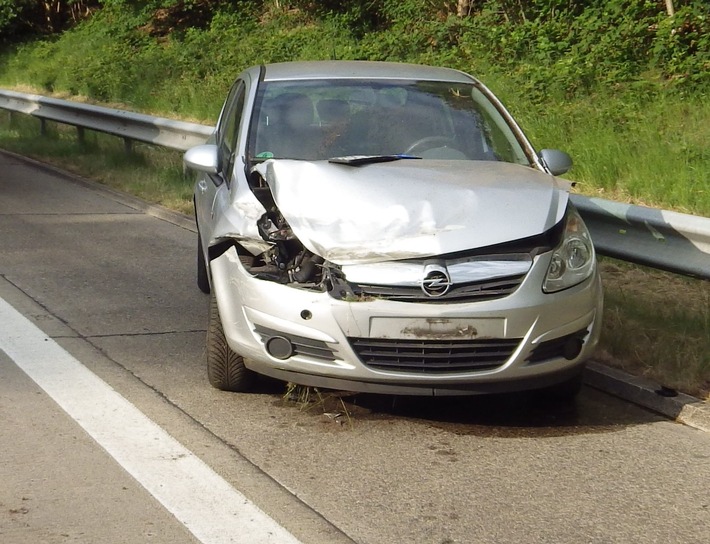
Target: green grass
<point>634,136</point>
<point>654,153</point>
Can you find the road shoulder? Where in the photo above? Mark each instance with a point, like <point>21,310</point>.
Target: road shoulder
<point>677,406</point>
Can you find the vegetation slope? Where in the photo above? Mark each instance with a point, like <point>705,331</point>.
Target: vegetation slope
<point>620,84</point>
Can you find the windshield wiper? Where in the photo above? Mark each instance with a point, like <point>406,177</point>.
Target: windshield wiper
<point>358,160</point>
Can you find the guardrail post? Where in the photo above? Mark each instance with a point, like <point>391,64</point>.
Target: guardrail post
<point>80,134</point>
<point>128,145</point>
<point>43,127</point>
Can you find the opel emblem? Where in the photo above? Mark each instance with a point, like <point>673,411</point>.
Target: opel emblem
<point>436,282</point>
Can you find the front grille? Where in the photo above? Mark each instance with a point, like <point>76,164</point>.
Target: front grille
<point>433,356</point>
<point>301,345</point>
<point>467,292</point>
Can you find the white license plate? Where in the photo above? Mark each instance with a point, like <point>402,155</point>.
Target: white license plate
<point>437,328</point>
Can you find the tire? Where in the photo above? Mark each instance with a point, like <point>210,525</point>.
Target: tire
<point>225,368</point>
<point>203,281</point>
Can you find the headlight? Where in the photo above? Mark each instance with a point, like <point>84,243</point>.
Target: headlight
<point>573,260</point>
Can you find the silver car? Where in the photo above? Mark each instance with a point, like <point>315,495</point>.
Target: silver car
<point>387,228</point>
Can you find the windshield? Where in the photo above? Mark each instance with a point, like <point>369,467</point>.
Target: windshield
<point>323,119</point>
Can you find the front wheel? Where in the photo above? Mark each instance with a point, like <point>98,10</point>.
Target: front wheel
<point>225,368</point>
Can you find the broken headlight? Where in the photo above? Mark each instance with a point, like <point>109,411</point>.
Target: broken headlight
<point>573,259</point>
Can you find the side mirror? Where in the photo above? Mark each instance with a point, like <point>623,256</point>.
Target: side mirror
<point>203,158</point>
<point>557,162</point>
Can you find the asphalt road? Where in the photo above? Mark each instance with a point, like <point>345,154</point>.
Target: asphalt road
<point>112,283</point>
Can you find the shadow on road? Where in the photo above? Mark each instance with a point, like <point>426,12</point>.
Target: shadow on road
<point>510,415</point>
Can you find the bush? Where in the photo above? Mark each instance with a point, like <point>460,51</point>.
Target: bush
<point>681,48</point>
<point>181,56</point>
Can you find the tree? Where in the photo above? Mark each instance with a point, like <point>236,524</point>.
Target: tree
<point>19,17</point>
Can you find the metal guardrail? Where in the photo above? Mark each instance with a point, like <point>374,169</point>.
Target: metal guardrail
<point>671,241</point>
<point>666,240</point>
<point>125,124</point>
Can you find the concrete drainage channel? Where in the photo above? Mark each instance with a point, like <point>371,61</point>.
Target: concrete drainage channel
<point>667,402</point>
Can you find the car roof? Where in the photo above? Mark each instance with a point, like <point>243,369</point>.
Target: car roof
<point>354,69</point>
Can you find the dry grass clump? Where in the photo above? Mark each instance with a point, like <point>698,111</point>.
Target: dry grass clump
<point>328,403</point>
<point>657,325</point>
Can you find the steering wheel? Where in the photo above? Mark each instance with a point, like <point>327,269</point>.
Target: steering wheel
<point>429,142</point>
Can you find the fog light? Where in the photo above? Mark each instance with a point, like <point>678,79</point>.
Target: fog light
<point>279,347</point>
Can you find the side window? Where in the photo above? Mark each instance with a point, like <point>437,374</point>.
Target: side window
<point>228,131</point>
<point>498,136</point>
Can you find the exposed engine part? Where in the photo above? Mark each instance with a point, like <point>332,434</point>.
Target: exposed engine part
<point>273,227</point>
<point>338,287</point>
<point>308,268</point>
<point>288,261</point>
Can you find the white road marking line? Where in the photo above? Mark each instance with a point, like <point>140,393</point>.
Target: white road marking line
<point>198,497</point>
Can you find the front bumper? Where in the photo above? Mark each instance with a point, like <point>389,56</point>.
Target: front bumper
<point>521,341</point>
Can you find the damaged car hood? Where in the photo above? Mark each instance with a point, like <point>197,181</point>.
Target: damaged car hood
<point>411,208</point>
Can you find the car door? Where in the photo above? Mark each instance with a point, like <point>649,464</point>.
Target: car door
<point>212,191</point>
